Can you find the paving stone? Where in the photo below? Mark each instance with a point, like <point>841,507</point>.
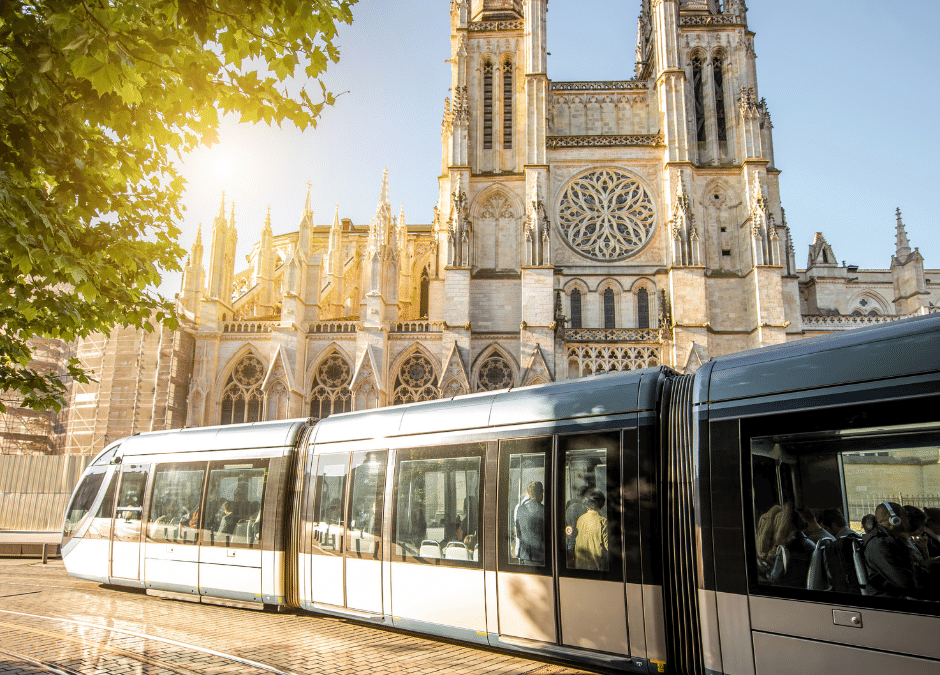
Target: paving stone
<point>146,628</point>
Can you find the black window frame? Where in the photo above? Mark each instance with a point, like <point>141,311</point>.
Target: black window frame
<point>890,413</point>
<point>614,500</point>
<point>503,559</point>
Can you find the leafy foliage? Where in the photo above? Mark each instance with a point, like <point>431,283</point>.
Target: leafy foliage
<point>98,97</point>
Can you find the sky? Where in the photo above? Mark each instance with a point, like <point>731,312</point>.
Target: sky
<point>851,86</point>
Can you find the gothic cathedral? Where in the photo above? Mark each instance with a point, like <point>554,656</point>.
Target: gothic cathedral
<point>581,228</point>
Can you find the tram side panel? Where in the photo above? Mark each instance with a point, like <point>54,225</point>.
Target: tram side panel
<point>841,426</point>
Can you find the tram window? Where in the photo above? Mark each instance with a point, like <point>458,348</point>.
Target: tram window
<point>808,523</point>
<point>83,500</point>
<point>128,510</point>
<point>131,497</point>
<point>330,492</point>
<point>233,503</point>
<point>366,501</point>
<point>437,507</point>
<point>589,485</point>
<point>175,503</point>
<point>524,503</point>
<point>100,527</point>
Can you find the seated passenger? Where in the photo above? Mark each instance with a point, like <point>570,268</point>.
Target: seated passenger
<point>927,566</point>
<point>932,532</point>
<point>241,506</point>
<point>792,558</point>
<point>834,523</point>
<point>813,531</point>
<point>869,523</point>
<point>591,543</point>
<point>766,536</point>
<point>229,518</point>
<point>891,568</point>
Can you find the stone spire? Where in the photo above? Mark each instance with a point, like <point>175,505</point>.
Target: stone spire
<point>265,270</point>
<point>308,209</point>
<point>196,256</point>
<point>903,245</point>
<point>381,230</point>
<point>193,276</point>
<point>217,250</point>
<point>305,229</point>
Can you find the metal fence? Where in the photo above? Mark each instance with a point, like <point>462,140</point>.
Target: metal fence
<point>861,507</point>
<point>35,489</point>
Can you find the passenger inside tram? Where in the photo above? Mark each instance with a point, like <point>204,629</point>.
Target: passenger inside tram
<point>793,551</point>
<point>932,532</point>
<point>437,508</point>
<point>529,526</point>
<point>591,544</point>
<point>891,565</point>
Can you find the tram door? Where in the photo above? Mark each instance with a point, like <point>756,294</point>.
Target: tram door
<point>588,553</point>
<point>524,582</point>
<point>346,565</point>
<point>128,512</point>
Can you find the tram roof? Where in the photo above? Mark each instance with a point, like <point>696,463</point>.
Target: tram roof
<point>897,349</point>
<point>275,434</point>
<point>600,395</point>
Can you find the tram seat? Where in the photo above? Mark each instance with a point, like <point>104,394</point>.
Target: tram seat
<point>429,549</point>
<point>455,550</point>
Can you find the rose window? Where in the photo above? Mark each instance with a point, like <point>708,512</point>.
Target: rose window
<point>333,372</point>
<point>248,371</point>
<point>415,380</point>
<point>606,215</point>
<point>495,373</point>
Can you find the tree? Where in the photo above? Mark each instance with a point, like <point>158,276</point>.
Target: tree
<point>98,97</point>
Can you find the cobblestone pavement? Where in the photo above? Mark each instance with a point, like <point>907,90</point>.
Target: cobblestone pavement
<point>50,622</point>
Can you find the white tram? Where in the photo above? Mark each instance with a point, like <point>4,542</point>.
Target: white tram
<point>610,520</point>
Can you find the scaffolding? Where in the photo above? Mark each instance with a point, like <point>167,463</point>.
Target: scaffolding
<point>24,431</point>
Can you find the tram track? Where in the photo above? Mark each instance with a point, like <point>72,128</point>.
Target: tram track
<point>43,665</point>
<point>237,661</point>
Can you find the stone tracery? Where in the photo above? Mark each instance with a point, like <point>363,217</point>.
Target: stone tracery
<point>329,391</point>
<point>415,380</point>
<point>606,214</point>
<point>242,397</point>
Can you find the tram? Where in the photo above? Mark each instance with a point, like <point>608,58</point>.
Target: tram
<point>612,521</point>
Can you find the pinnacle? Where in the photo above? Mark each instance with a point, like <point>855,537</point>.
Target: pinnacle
<point>903,245</point>
<point>307,208</point>
<point>267,219</point>
<point>383,198</point>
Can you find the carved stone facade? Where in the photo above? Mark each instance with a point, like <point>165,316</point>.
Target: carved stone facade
<point>581,227</point>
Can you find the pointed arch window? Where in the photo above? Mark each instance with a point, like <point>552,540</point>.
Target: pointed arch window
<point>718,83</point>
<point>425,294</point>
<point>576,308</point>
<point>487,105</point>
<point>642,308</point>
<point>698,94</point>
<point>278,402</point>
<point>495,373</point>
<point>507,104</point>
<point>610,317</point>
<point>242,397</point>
<point>415,380</point>
<point>330,387</point>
